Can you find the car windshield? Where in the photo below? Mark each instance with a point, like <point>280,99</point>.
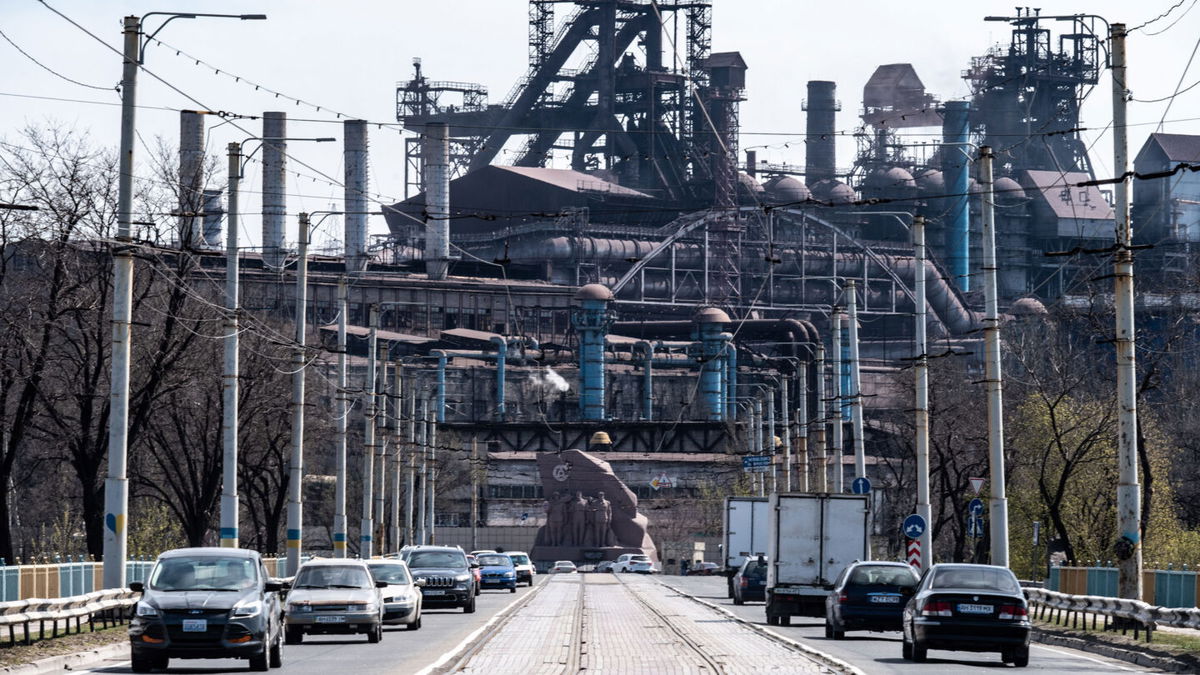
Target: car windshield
<point>873,575</point>
<point>755,569</point>
<point>437,559</point>
<point>393,574</point>
<point>519,559</point>
<point>983,578</point>
<point>333,576</point>
<point>564,563</point>
<point>640,558</point>
<point>204,574</point>
<point>495,560</point>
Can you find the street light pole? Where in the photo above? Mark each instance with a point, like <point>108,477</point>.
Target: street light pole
<point>921,409</point>
<point>295,510</point>
<point>367,527</point>
<point>993,379</point>
<point>340,412</point>
<point>822,422</point>
<point>229,379</point>
<point>836,404</point>
<point>856,400</point>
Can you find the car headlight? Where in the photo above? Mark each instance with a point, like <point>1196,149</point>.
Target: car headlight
<point>296,607</point>
<point>510,574</point>
<point>358,607</point>
<point>464,577</point>
<point>146,609</point>
<point>246,610</point>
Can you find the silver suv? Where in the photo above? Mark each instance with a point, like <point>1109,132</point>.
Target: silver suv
<point>448,576</point>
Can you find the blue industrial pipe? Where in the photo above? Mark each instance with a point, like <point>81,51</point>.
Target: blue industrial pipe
<point>731,366</point>
<point>710,330</point>
<point>956,129</point>
<point>441,384</point>
<point>501,354</point>
<point>591,322</point>
<point>647,378</point>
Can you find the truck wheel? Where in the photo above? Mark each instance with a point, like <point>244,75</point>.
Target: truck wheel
<point>729,586</point>
<point>772,620</point>
<point>785,620</point>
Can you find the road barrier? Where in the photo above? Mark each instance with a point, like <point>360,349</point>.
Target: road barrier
<point>109,606</point>
<point>1142,617</point>
<point>1168,587</point>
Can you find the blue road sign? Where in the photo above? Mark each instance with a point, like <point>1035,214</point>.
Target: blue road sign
<point>756,462</point>
<point>975,508</point>
<point>914,526</point>
<point>861,485</point>
<point>975,526</point>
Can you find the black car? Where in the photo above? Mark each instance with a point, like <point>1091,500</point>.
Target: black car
<point>974,608</point>
<point>449,577</point>
<point>868,595</point>
<point>750,582</point>
<point>207,603</point>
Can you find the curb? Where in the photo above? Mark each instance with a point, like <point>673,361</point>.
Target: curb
<point>826,659</point>
<point>67,662</point>
<point>1148,659</point>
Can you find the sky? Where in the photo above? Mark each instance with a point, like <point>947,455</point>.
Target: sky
<point>348,56</point>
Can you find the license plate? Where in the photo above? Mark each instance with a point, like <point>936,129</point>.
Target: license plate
<point>434,592</point>
<point>886,599</point>
<point>331,619</point>
<point>974,609</point>
<point>195,625</point>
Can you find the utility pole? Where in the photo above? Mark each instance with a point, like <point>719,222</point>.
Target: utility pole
<point>836,404</point>
<point>993,377</point>
<point>367,527</point>
<point>760,478</point>
<point>784,404</point>
<point>397,453</point>
<point>410,486</point>
<point>295,510</point>
<point>381,440</point>
<point>921,371</point>
<point>116,484</point>
<point>771,449</point>
<point>822,422</point>
<point>856,399</point>
<point>229,378</point>
<point>1129,507</point>
<point>474,494</point>
<point>341,410</point>
<point>423,438</point>
<point>431,492</point>
<point>802,426</point>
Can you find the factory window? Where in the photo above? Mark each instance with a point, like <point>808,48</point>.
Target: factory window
<point>514,492</point>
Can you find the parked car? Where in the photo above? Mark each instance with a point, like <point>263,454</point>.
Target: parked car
<point>704,569</point>
<point>524,566</point>
<point>476,572</point>
<point>449,578</point>
<point>207,603</point>
<point>334,595</point>
<point>634,562</point>
<point>750,581</point>
<point>604,566</point>
<point>479,553</point>
<point>976,608</point>
<point>563,567</point>
<point>402,596</point>
<point>868,595</point>
<point>498,571</point>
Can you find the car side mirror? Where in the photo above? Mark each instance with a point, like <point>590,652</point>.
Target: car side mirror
<point>273,586</point>
<point>420,583</point>
<point>474,565</point>
<point>137,586</point>
<point>381,584</point>
<point>286,585</point>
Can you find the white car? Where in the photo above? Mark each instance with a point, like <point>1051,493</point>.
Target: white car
<point>402,596</point>
<point>634,562</point>
<point>524,566</point>
<point>563,567</point>
<point>479,553</point>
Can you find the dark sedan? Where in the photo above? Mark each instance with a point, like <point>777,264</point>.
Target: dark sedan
<point>974,608</point>
<point>868,595</point>
<point>750,582</point>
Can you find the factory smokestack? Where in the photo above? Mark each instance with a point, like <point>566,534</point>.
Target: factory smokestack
<point>355,134</point>
<point>956,134</point>
<point>191,177</point>
<point>274,199</point>
<point>437,199</point>
<point>212,218</point>
<point>820,152</point>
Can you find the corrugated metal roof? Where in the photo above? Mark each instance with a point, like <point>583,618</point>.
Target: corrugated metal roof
<point>1177,147</point>
<point>1053,189</point>
<point>575,181</point>
<point>387,335</point>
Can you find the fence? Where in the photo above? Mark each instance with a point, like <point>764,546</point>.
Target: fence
<point>1164,588</point>
<point>109,606</point>
<point>1139,616</point>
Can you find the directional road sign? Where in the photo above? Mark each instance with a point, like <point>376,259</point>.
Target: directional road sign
<point>914,526</point>
<point>861,486</point>
<point>975,508</point>
<point>756,463</point>
<point>914,553</point>
<point>974,526</point>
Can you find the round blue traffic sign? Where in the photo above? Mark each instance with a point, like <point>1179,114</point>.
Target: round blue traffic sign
<point>861,485</point>
<point>914,526</point>
<point>975,508</point>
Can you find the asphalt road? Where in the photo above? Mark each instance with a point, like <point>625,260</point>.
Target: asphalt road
<point>880,652</point>
<point>401,651</point>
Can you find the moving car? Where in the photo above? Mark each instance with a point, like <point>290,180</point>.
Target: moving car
<point>750,582</point>
<point>402,596</point>
<point>634,562</point>
<point>868,595</point>
<point>498,571</point>
<point>448,577</point>
<point>524,566</point>
<point>481,552</point>
<point>563,567</point>
<point>334,595</point>
<point>604,566</point>
<point>975,608</point>
<point>704,569</point>
<point>206,603</point>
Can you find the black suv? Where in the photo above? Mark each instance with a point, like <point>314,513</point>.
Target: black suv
<point>207,603</point>
<point>449,577</point>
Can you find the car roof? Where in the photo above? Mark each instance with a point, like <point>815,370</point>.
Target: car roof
<point>326,562</point>
<point>378,562</point>
<point>210,551</point>
<point>879,563</point>
<point>448,549</point>
<point>968,566</point>
<point>559,562</point>
<point>516,553</point>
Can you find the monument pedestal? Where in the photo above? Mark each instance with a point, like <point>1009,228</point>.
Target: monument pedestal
<point>578,554</point>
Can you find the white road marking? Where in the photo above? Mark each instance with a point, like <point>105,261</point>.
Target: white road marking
<point>1075,655</point>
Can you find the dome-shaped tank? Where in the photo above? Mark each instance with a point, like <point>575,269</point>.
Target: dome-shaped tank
<point>1008,190</point>
<point>890,179</point>
<point>786,189</point>
<point>931,182</point>
<point>594,292</point>
<point>1028,307</point>
<point>711,315</point>
<point>833,191</point>
<point>749,190</point>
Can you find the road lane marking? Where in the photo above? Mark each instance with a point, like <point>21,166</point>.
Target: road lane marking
<point>463,646</point>
<point>1110,664</point>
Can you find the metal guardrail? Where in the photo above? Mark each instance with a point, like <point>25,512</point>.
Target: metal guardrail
<point>1135,614</point>
<point>109,605</point>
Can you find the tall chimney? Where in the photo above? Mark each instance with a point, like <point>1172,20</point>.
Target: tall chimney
<point>437,200</point>
<point>956,130</point>
<point>212,218</point>
<point>820,151</point>
<point>191,177</point>
<point>355,203</point>
<point>274,199</point>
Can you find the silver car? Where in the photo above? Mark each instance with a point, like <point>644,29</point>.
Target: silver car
<point>334,595</point>
<point>402,597</point>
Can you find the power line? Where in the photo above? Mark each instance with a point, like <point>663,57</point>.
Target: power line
<point>52,71</point>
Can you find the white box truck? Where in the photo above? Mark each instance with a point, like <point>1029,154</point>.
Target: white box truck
<point>745,533</point>
<point>811,539</point>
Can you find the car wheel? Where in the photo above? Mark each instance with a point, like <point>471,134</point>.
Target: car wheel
<point>375,635</point>
<point>293,636</point>
<point>259,662</point>
<point>906,650</point>
<point>277,651</point>
<point>737,599</point>
<point>828,630</point>
<point>469,608</point>
<point>919,652</point>
<point>1021,658</point>
<point>512,589</point>
<point>415,625</point>
<point>141,664</point>
<point>836,633</point>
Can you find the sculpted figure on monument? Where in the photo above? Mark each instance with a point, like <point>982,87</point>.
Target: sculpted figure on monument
<point>603,521</point>
<point>554,519</point>
<point>578,508</point>
<point>589,531</point>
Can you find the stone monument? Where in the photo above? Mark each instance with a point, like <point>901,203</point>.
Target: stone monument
<point>590,514</point>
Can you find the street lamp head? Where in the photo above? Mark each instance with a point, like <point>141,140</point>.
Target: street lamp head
<point>253,17</point>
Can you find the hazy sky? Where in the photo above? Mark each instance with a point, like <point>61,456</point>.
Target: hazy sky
<point>347,56</point>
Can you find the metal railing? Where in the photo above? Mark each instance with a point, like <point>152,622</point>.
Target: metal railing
<point>1170,587</point>
<point>1139,616</point>
<point>111,606</point>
